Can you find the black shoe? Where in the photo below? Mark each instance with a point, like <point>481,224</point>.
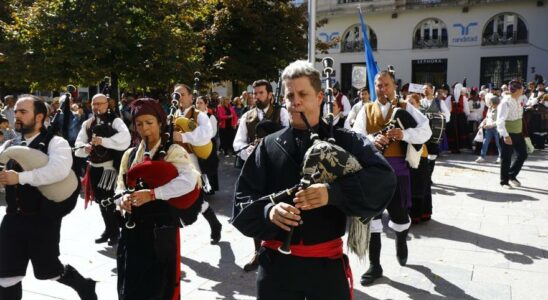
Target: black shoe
<point>253,264</point>
<point>216,235</point>
<point>401,247</point>
<point>14,292</point>
<point>85,287</point>
<point>113,240</point>
<point>215,225</point>
<point>102,239</point>
<point>371,275</point>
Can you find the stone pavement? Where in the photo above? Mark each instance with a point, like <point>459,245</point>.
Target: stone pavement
<point>482,243</point>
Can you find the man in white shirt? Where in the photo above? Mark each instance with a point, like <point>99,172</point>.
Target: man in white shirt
<point>31,227</point>
<point>102,139</point>
<point>200,136</point>
<point>9,111</point>
<point>246,137</point>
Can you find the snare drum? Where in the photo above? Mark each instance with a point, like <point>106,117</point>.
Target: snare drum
<point>437,125</point>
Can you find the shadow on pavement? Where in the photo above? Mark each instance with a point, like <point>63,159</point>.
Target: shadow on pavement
<point>513,252</point>
<point>450,190</point>
<point>228,285</point>
<point>442,286</point>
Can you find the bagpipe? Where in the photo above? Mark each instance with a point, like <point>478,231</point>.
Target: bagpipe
<point>63,194</point>
<point>152,173</point>
<point>188,122</point>
<point>324,162</point>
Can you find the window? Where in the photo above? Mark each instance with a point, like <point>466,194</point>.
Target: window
<point>500,70</point>
<point>352,39</point>
<point>430,33</point>
<point>503,29</point>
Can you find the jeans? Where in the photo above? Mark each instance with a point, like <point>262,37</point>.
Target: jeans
<point>488,134</point>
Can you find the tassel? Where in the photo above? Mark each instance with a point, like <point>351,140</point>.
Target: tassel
<point>358,238</point>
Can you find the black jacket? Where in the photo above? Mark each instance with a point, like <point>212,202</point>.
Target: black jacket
<point>275,165</point>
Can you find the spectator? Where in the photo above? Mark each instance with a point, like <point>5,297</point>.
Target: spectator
<point>9,110</point>
<point>489,127</point>
<point>228,121</point>
<point>239,107</point>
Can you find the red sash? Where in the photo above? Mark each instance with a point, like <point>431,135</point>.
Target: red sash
<point>332,249</point>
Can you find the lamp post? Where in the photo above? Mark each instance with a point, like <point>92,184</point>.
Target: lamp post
<point>312,31</point>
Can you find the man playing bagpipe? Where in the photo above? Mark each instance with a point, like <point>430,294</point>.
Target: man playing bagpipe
<point>317,267</point>
<point>412,128</point>
<point>30,229</point>
<point>102,138</point>
<point>201,135</point>
<point>157,180</point>
<point>247,135</point>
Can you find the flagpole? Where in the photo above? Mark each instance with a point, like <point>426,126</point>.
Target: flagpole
<point>312,31</point>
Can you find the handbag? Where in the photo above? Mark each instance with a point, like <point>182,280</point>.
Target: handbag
<point>529,145</point>
<point>479,136</point>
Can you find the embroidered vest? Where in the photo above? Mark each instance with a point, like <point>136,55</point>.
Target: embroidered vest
<point>375,122</point>
<point>252,120</point>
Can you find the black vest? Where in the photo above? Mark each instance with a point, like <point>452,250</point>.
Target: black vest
<point>100,154</point>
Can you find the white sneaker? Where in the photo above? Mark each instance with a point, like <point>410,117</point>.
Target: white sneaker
<point>480,160</point>
<point>515,183</point>
<point>498,160</point>
<point>506,187</point>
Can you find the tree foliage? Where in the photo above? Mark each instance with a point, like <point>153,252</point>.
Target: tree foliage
<point>146,44</point>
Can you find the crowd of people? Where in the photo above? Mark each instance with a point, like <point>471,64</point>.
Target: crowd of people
<point>150,166</point>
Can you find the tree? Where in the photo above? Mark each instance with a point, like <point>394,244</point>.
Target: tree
<point>142,43</point>
<point>251,39</point>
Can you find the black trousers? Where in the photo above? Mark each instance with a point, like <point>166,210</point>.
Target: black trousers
<point>34,238</point>
<point>290,277</point>
<point>509,169</point>
<point>420,180</point>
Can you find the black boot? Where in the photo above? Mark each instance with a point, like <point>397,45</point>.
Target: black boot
<point>85,287</point>
<point>375,270</point>
<point>215,225</point>
<point>401,247</point>
<point>103,238</point>
<point>253,264</point>
<point>14,292</point>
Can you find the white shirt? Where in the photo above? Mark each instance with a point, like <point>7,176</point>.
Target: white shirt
<point>425,102</point>
<point>476,114</point>
<point>352,115</point>
<point>202,134</point>
<point>58,167</point>
<point>509,109</point>
<point>240,141</point>
<point>119,141</point>
<point>417,135</point>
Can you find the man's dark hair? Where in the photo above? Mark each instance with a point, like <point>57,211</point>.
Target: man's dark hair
<point>364,89</point>
<point>263,82</point>
<point>39,105</point>
<point>187,88</point>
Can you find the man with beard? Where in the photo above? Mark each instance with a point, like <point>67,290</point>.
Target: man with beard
<point>201,135</point>
<point>31,227</point>
<point>103,137</point>
<point>246,137</point>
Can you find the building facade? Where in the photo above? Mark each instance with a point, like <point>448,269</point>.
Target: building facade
<point>486,42</point>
